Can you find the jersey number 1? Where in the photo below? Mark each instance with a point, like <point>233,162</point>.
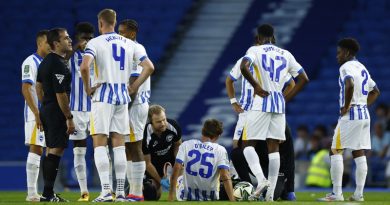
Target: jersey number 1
<point>121,57</point>
<point>203,161</point>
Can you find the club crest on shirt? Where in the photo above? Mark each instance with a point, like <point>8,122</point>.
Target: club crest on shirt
<point>155,143</point>
<point>60,78</point>
<point>169,138</point>
<point>26,69</point>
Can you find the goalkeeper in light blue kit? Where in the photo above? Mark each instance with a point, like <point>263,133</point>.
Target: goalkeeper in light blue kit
<point>205,163</point>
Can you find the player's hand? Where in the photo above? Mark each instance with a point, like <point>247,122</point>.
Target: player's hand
<point>132,90</point>
<point>38,122</point>
<point>93,89</point>
<point>260,92</point>
<point>237,107</point>
<point>165,183</point>
<point>343,111</point>
<point>71,128</point>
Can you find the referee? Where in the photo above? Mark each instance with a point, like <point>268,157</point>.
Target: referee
<point>53,87</point>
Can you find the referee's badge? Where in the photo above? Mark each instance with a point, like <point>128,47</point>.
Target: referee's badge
<point>26,69</point>
<point>169,138</point>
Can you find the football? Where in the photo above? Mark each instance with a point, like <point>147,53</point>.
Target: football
<point>243,190</point>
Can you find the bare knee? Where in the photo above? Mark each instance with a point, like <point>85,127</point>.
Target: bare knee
<point>36,149</point>
<point>273,145</point>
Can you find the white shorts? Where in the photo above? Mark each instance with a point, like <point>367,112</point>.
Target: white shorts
<point>81,121</point>
<point>263,125</point>
<point>180,188</point>
<point>240,125</point>
<point>352,134</point>
<point>32,135</point>
<point>106,118</point>
<point>138,114</point>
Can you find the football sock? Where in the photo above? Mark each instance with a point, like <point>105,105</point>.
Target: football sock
<point>32,170</point>
<point>120,169</point>
<point>336,170</point>
<point>137,177</point>
<point>129,173</point>
<point>254,163</point>
<point>50,169</point>
<point>103,166</point>
<point>80,167</point>
<point>273,173</point>
<point>361,174</point>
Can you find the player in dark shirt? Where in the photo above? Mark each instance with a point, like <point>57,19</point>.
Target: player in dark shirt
<point>162,138</point>
<point>53,87</point>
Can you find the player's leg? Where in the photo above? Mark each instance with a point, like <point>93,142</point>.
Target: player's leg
<point>100,118</point>
<point>79,139</point>
<point>34,138</point>
<point>129,162</point>
<point>288,163</point>
<point>275,135</point>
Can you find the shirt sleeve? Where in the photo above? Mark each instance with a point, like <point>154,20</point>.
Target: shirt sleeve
<point>29,72</point>
<point>345,72</point>
<point>223,159</point>
<point>139,53</point>
<point>177,137</point>
<point>90,49</point>
<point>250,54</point>
<point>180,154</point>
<point>371,84</point>
<point>58,77</point>
<point>294,68</point>
<point>235,73</point>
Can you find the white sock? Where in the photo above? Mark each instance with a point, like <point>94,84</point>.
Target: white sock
<point>273,171</point>
<point>80,167</point>
<point>110,168</point>
<point>120,169</point>
<point>361,174</point>
<point>254,163</point>
<point>103,166</point>
<point>336,170</point>
<point>137,177</point>
<point>129,174</point>
<point>32,171</point>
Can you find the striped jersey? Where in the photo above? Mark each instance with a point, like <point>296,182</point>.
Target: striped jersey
<point>114,55</point>
<point>29,75</point>
<point>247,91</point>
<point>363,84</point>
<point>201,161</point>
<point>271,66</point>
<point>144,92</point>
<point>79,100</point>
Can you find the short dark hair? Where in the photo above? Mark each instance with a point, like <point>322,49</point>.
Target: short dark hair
<point>42,33</point>
<point>350,44</point>
<point>84,27</point>
<point>131,24</point>
<point>265,30</point>
<point>54,35</point>
<point>212,128</point>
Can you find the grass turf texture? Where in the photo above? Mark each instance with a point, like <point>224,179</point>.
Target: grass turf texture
<point>303,198</point>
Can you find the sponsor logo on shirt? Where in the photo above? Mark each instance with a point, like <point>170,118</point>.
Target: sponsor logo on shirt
<point>60,77</point>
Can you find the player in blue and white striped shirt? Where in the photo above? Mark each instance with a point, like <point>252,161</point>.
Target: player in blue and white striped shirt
<point>113,55</point>
<point>34,136</point>
<point>80,106</point>
<point>266,120</point>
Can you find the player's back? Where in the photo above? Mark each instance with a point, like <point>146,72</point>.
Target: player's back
<point>144,91</point>
<point>272,65</point>
<point>201,162</point>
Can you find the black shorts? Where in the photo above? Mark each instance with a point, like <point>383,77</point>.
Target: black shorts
<point>54,125</point>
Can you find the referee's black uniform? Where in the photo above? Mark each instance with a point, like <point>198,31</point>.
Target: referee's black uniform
<point>55,78</point>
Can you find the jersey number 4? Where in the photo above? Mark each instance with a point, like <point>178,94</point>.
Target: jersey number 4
<point>120,57</point>
<point>203,161</point>
<point>274,74</point>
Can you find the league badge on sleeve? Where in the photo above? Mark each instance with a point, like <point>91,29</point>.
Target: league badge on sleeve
<point>26,69</point>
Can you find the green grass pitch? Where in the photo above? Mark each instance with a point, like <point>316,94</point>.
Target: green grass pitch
<point>303,198</point>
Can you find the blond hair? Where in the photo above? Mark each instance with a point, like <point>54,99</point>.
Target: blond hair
<point>155,110</point>
<point>108,16</point>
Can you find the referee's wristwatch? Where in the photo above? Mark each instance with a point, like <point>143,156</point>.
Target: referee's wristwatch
<point>69,117</point>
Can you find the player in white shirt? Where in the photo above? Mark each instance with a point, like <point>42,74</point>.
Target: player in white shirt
<point>205,163</point>
<point>112,55</point>
<point>34,136</point>
<point>80,106</point>
<point>266,119</point>
<point>357,91</point>
<point>138,112</point>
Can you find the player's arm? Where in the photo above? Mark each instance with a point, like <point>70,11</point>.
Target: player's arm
<point>373,95</point>
<point>148,69</point>
<point>84,69</point>
<point>39,90</point>
<point>229,84</point>
<point>227,183</point>
<point>244,67</point>
<point>132,95</point>
<point>289,86</point>
<point>28,94</point>
<point>151,169</point>
<point>302,80</point>
<point>176,172</point>
<point>349,85</point>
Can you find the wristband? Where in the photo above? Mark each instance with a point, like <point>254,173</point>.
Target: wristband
<point>233,100</point>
